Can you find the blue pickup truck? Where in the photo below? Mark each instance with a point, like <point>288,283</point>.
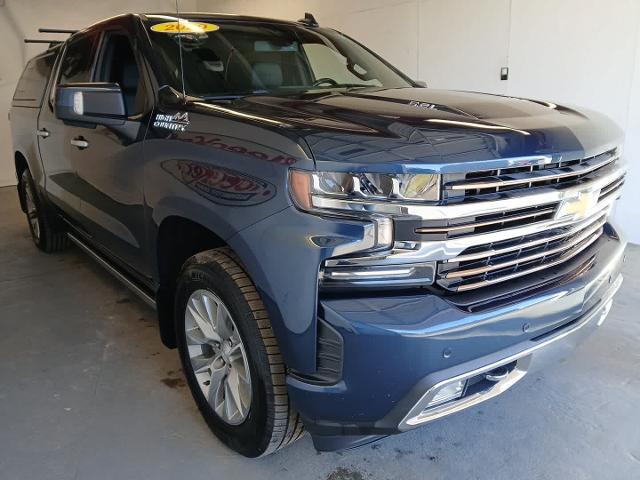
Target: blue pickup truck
<point>332,247</point>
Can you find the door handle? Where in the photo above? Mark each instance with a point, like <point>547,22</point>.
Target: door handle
<point>79,142</point>
<point>44,133</point>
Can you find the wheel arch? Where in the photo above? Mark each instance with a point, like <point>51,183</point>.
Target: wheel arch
<point>21,165</point>
<point>178,238</point>
<point>177,222</point>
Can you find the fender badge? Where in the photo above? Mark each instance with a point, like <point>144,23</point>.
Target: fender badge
<point>177,122</point>
<point>416,103</point>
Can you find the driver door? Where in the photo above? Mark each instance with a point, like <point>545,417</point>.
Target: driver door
<point>108,160</point>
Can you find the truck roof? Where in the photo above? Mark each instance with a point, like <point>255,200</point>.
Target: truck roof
<point>217,16</point>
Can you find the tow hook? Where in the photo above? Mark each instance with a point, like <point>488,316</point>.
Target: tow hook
<point>497,374</point>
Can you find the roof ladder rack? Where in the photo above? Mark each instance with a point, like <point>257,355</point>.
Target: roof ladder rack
<point>50,30</point>
<point>56,30</point>
<point>38,40</point>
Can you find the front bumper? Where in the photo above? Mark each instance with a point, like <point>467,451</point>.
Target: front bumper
<point>399,349</point>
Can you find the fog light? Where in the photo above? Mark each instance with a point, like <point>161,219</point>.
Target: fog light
<point>448,392</point>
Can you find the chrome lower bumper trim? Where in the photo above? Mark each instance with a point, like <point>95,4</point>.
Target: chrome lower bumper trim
<point>420,414</point>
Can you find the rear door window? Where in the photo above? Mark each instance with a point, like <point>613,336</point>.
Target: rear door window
<point>33,82</point>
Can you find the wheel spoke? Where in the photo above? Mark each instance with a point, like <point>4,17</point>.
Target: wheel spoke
<point>202,323</point>
<point>195,336</point>
<point>198,304</point>
<point>200,364</point>
<point>234,387</point>
<point>236,354</point>
<point>223,323</point>
<point>211,308</point>
<point>243,372</point>
<point>216,399</point>
<point>217,380</point>
<point>230,408</point>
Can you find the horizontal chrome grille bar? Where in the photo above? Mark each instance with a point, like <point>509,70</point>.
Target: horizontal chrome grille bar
<point>536,176</point>
<point>563,258</point>
<point>523,246</point>
<point>497,221</point>
<point>529,258</point>
<point>612,188</point>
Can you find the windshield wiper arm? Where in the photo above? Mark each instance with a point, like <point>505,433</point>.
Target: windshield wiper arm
<point>234,96</point>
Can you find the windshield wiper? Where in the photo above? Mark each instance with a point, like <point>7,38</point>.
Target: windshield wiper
<point>348,86</point>
<point>233,96</point>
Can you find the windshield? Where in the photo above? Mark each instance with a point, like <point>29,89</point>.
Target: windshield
<point>234,58</point>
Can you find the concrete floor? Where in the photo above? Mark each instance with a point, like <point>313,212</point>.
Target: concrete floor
<point>88,392</point>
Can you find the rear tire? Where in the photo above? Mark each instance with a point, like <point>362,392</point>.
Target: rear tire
<point>45,230</point>
<point>268,422</point>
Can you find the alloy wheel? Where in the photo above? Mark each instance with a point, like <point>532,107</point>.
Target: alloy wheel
<point>218,357</point>
<point>32,210</point>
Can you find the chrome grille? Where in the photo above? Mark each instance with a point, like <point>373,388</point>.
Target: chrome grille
<point>491,222</point>
<point>523,216</point>
<point>612,188</point>
<point>540,172</point>
<point>497,262</point>
<point>508,244</point>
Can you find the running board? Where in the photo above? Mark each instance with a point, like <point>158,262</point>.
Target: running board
<point>144,296</point>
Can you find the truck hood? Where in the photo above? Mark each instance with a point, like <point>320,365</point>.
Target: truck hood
<point>418,128</point>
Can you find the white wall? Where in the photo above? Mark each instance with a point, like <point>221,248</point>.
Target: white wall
<point>20,19</point>
<point>463,44</point>
<point>581,52</point>
<point>628,210</point>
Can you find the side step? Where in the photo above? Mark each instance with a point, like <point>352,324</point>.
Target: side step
<point>146,298</point>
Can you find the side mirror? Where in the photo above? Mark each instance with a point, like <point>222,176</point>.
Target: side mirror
<point>99,103</point>
<point>420,83</point>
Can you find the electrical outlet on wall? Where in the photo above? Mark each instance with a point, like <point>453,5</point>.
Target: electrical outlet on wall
<point>504,73</point>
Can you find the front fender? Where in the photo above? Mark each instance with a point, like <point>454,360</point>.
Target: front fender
<point>282,254</point>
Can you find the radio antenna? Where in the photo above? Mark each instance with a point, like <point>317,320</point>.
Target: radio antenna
<point>184,94</point>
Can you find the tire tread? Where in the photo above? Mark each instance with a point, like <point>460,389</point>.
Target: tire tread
<point>53,238</point>
<point>287,426</point>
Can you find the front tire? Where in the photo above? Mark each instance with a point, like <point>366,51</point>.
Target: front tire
<point>230,356</point>
<point>44,227</point>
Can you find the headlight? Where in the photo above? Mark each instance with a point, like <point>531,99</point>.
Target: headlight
<point>354,191</point>
<point>369,197</point>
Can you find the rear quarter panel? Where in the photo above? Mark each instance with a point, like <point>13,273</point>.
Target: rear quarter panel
<point>24,123</point>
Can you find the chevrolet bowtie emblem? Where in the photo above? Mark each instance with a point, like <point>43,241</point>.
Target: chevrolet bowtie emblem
<point>578,206</point>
